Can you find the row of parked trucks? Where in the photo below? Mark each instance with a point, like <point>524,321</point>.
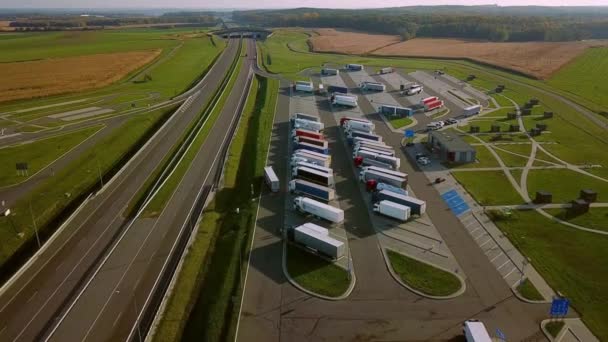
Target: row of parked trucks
<point>379,170</point>
<point>312,180</point>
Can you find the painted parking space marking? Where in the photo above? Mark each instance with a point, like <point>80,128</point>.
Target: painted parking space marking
<point>497,256</point>
<point>501,266</point>
<point>455,202</point>
<point>508,274</point>
<point>483,244</point>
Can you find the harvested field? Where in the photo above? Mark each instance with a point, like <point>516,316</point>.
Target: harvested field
<point>539,59</point>
<point>24,80</point>
<point>330,40</point>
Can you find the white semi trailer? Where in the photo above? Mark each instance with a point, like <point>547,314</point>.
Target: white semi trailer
<point>316,208</point>
<point>393,210</point>
<point>316,240</point>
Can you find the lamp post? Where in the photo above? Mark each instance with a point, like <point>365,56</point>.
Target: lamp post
<point>35,225</point>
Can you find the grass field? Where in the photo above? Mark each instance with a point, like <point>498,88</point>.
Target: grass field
<point>316,274</point>
<point>202,302</point>
<point>397,122</point>
<point>39,154</point>
<point>565,185</point>
<point>489,187</point>
<point>423,277</point>
<point>528,291</point>
<point>585,77</point>
<point>49,199</point>
<point>596,218</point>
<point>512,160</point>
<point>572,262</point>
<point>554,327</point>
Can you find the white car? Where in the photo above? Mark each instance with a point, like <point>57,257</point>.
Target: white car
<point>424,161</point>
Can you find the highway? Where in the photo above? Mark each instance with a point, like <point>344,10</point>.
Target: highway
<point>93,279</point>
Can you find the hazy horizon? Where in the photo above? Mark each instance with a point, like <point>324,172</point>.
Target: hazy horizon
<point>270,4</point>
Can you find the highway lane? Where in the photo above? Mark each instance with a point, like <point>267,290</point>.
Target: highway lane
<point>30,304</point>
<point>109,305</point>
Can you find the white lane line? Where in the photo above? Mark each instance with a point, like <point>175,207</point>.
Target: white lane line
<point>496,257</point>
<point>501,266</point>
<point>508,274</point>
<point>483,244</point>
<point>2,330</point>
<point>32,297</point>
<point>116,320</point>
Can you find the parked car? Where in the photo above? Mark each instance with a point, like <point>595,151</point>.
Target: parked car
<point>450,122</point>
<point>421,155</point>
<point>424,161</point>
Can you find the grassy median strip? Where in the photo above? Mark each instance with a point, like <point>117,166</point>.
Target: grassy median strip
<point>398,122</point>
<point>554,328</point>
<point>55,198</point>
<point>423,277</point>
<point>182,155</point>
<point>204,304</point>
<point>316,274</point>
<point>39,154</point>
<point>528,291</point>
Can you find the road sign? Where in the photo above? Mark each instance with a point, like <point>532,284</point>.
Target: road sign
<point>500,335</point>
<point>409,133</point>
<point>559,306</point>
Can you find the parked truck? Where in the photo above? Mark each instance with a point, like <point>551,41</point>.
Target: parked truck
<point>433,105</point>
<point>330,72</point>
<point>344,100</point>
<point>306,133</point>
<point>475,331</point>
<point>309,125</point>
<point>314,166</point>
<point>413,89</point>
<point>304,86</point>
<point>317,142</point>
<point>271,179</point>
<point>305,116</point>
<point>382,177</point>
<point>393,161</point>
<point>318,209</point>
<point>354,134</point>
<point>395,173</point>
<point>395,111</point>
<point>315,176</point>
<point>393,210</point>
<point>418,206</point>
<point>333,89</point>
<point>319,242</point>
<point>359,125</point>
<point>429,99</point>
<point>386,70</point>
<point>472,110</point>
<point>361,140</point>
<point>306,188</point>
<point>353,67</point>
<point>384,186</point>
<point>379,146</point>
<point>317,155</point>
<point>384,152</point>
<point>362,162</point>
<point>346,119</point>
<point>372,86</point>
<point>311,147</point>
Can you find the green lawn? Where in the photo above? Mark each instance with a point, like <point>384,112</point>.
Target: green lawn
<point>316,274</point>
<point>573,262</point>
<point>565,185</point>
<point>595,218</point>
<point>586,77</point>
<point>489,187</point>
<point>202,307</point>
<point>423,277</point>
<point>39,153</point>
<point>81,176</point>
<point>528,291</point>
<point>512,160</point>
<point>397,122</point>
<point>554,327</point>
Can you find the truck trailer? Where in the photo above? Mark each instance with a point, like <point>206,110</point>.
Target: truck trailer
<point>386,70</point>
<point>319,242</point>
<point>305,116</point>
<point>429,99</point>
<point>307,133</point>
<point>309,125</point>
<point>321,156</point>
<point>433,105</point>
<point>372,86</point>
<point>384,186</point>
<point>413,89</point>
<point>317,142</point>
<point>318,209</point>
<point>306,188</point>
<point>354,134</point>
<point>475,331</point>
<point>315,176</point>
<point>361,140</point>
<point>344,100</point>
<point>384,152</point>
<point>305,86</point>
<point>395,111</point>
<point>387,171</point>
<point>379,146</point>
<point>418,206</point>
<point>393,210</point>
<point>472,110</point>
<point>359,125</point>
<point>271,179</point>
<point>311,147</point>
<point>382,177</point>
<point>353,67</point>
<point>333,89</point>
<point>330,72</point>
<point>321,168</point>
<point>362,162</point>
<point>346,119</point>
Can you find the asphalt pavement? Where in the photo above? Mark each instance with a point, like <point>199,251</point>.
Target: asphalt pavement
<point>41,293</point>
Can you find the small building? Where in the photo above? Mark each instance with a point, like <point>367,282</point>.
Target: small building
<point>513,128</point>
<point>495,128</point>
<point>579,207</point>
<point>526,111</point>
<point>450,147</point>
<point>535,131</point>
<point>547,115</point>
<point>588,195</point>
<point>543,197</point>
<point>541,126</point>
<point>511,116</point>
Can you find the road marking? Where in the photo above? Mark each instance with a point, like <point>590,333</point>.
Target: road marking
<point>116,320</point>
<point>483,244</point>
<point>474,230</point>
<point>508,274</point>
<point>501,266</point>
<point>2,330</point>
<point>496,257</point>
<point>490,249</point>
<point>59,266</point>
<point>32,297</point>
<point>480,235</point>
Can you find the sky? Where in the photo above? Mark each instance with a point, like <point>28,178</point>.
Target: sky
<point>279,3</point>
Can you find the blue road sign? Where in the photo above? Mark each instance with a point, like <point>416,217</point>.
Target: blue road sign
<point>455,202</point>
<point>500,335</point>
<point>409,133</point>
<point>559,307</point>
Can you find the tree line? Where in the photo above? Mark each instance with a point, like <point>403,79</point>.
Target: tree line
<point>469,23</point>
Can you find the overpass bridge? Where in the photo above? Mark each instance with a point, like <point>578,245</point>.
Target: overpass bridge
<point>245,32</point>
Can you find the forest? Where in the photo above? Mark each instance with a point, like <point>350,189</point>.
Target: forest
<point>499,24</point>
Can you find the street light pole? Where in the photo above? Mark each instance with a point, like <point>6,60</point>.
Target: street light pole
<point>35,225</point>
